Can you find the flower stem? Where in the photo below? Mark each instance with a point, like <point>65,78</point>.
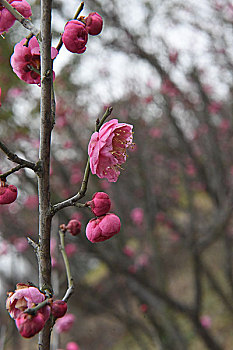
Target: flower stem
<point>70,280</point>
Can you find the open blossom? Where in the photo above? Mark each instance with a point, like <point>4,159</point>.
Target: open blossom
<point>100,203</point>
<point>107,149</point>
<point>7,19</point>
<point>25,297</point>
<point>94,23</point>
<point>27,58</point>
<point>8,193</point>
<point>103,228</point>
<point>75,36</point>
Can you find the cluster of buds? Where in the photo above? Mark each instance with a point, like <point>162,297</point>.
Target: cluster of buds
<point>106,224</point>
<point>27,297</point>
<point>8,193</point>
<point>76,32</point>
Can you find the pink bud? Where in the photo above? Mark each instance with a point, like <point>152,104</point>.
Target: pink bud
<point>75,36</point>
<point>103,228</point>
<point>94,23</point>
<point>29,325</point>
<point>100,203</point>
<point>8,193</point>
<point>74,227</point>
<point>72,346</point>
<point>58,308</point>
<point>206,321</point>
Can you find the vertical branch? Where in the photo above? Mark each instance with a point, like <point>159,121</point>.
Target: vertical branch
<point>43,182</point>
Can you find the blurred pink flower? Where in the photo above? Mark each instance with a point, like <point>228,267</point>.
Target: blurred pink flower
<point>206,321</point>
<point>94,23</point>
<point>65,323</point>
<point>137,216</point>
<point>103,228</point>
<point>128,251</point>
<point>25,58</point>
<point>70,249</point>
<point>7,19</point>
<point>72,346</point>
<point>156,133</point>
<point>75,36</point>
<point>21,244</point>
<point>173,56</point>
<point>107,149</point>
<point>4,247</point>
<point>214,107</point>
<point>31,202</point>
<point>168,88</point>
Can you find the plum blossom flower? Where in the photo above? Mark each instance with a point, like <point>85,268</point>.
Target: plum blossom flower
<point>25,297</point>
<point>29,325</point>
<point>74,227</point>
<point>94,23</point>
<point>100,203</point>
<point>7,19</point>
<point>27,58</point>
<point>107,149</point>
<point>58,308</point>
<point>206,321</point>
<point>75,36</point>
<point>103,228</point>
<point>65,323</point>
<point>8,193</point>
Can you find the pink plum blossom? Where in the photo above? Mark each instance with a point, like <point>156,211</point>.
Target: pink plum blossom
<point>94,23</point>
<point>75,36</point>
<point>25,297</point>
<point>137,216</point>
<point>27,58</point>
<point>72,346</point>
<point>100,203</point>
<point>65,323</point>
<point>8,193</point>
<point>74,227</point>
<point>29,325</point>
<point>103,228</point>
<point>128,251</point>
<point>7,19</point>
<point>107,149</point>
<point>58,308</point>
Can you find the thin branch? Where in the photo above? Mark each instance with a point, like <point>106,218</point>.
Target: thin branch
<point>16,159</point>
<point>33,310</point>
<point>73,200</point>
<point>11,171</point>
<point>80,8</point>
<point>70,280</point>
<point>25,22</point>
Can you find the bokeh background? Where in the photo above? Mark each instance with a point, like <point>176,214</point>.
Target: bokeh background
<point>166,281</point>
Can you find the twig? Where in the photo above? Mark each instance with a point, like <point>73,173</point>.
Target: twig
<point>25,22</point>
<point>80,8</point>
<point>33,310</point>
<point>23,162</point>
<point>73,200</point>
<point>70,280</point>
<point>11,171</point>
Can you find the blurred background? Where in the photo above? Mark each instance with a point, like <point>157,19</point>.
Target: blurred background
<point>166,281</point>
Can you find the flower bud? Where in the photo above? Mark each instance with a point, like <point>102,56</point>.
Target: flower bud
<point>8,193</point>
<point>94,23</point>
<point>58,308</point>
<point>29,325</point>
<point>100,203</point>
<point>74,227</point>
<point>103,228</point>
<point>75,36</point>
